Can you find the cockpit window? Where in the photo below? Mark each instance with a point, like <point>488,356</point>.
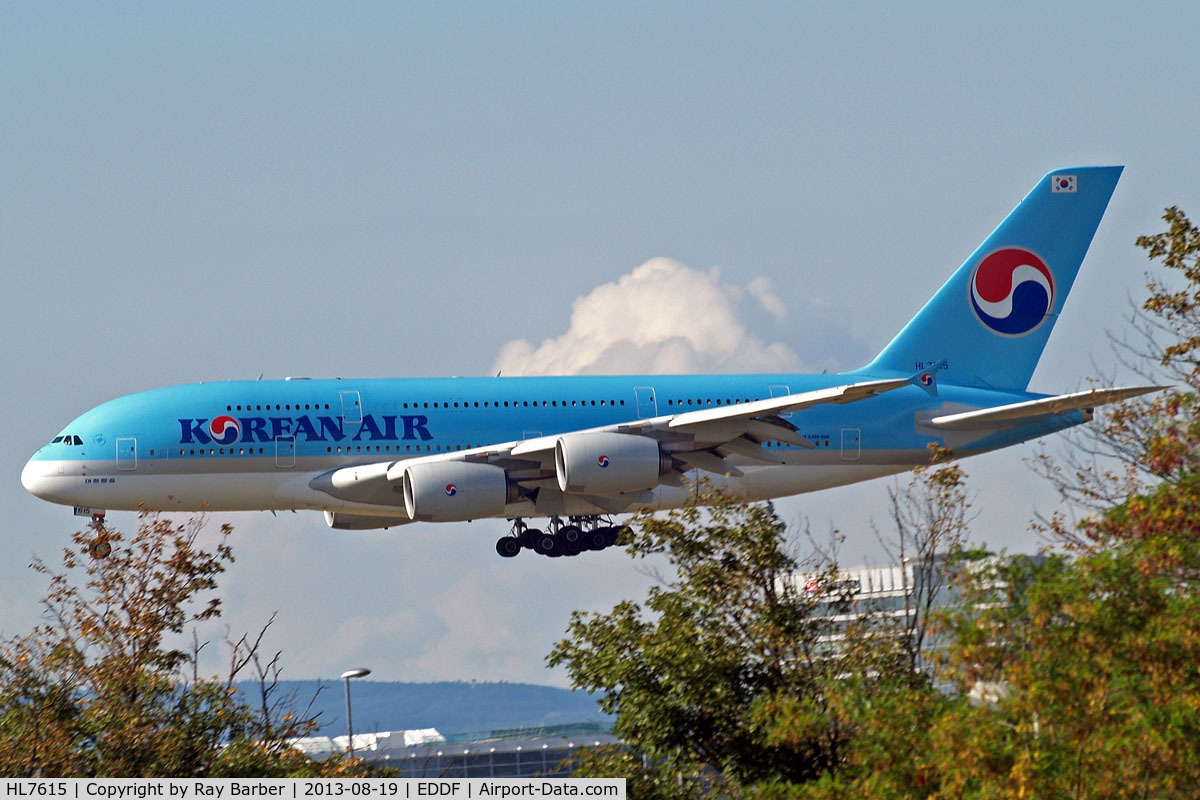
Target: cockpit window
<point>77,441</point>
<point>70,440</point>
<point>57,439</point>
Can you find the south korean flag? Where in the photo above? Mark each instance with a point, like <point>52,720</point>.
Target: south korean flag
<point>1063,184</point>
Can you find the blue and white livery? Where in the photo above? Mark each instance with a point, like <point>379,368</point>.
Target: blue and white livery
<point>382,452</point>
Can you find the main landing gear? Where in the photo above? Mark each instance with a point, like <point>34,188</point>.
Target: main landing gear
<point>570,539</point>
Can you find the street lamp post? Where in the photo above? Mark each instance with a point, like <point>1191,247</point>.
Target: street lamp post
<point>359,672</point>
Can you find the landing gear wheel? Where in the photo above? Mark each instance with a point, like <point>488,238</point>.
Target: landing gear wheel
<point>612,534</point>
<point>508,546</point>
<point>99,549</point>
<point>570,533</point>
<point>547,545</point>
<point>529,537</point>
<point>596,539</point>
<point>567,546</point>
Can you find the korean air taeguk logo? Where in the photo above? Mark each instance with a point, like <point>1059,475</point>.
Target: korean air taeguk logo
<point>224,429</point>
<point>1012,291</point>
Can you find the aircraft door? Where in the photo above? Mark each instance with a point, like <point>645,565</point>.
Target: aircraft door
<point>782,391</point>
<point>285,452</point>
<point>647,405</point>
<point>127,453</point>
<point>351,407</point>
<point>851,444</point>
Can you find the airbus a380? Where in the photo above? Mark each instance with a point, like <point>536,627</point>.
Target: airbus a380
<point>383,452</point>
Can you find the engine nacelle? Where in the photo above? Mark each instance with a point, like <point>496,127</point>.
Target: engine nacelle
<point>361,522</point>
<point>455,491</point>
<point>608,463</point>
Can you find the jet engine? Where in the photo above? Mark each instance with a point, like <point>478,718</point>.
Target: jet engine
<point>361,522</point>
<point>456,491</point>
<point>608,463</point>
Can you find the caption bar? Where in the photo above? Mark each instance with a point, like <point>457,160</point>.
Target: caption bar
<point>301,788</point>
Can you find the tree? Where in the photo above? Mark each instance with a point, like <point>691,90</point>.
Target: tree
<point>1077,675</point>
<point>733,673</point>
<point>930,515</point>
<point>883,696</point>
<point>101,688</point>
<point>1097,656</point>
<point>1138,442</point>
<point>1098,649</point>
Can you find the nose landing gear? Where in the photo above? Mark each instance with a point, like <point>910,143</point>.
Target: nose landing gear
<point>99,547</point>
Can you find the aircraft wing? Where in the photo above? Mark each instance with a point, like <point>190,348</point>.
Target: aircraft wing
<point>703,439</point>
<point>1015,413</point>
<point>705,429</point>
<point>838,395</point>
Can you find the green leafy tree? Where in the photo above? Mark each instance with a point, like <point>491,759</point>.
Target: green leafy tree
<point>728,676</point>
<point>101,687</point>
<point>1095,663</point>
<point>1077,675</point>
<point>882,696</point>
<point>1096,652</point>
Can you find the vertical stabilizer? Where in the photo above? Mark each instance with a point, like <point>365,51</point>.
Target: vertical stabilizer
<point>991,320</point>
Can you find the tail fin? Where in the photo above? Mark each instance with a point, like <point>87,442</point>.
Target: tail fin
<point>991,320</point>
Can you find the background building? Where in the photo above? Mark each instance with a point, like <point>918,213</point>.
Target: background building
<point>504,753</point>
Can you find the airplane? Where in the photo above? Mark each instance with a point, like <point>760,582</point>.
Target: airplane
<point>377,453</point>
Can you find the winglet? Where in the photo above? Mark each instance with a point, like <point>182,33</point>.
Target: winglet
<point>927,378</point>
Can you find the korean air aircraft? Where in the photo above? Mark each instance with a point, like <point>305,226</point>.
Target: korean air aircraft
<point>377,453</point>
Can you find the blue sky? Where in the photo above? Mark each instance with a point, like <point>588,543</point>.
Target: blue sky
<point>371,189</point>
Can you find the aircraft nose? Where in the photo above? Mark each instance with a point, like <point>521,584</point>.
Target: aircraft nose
<point>33,478</point>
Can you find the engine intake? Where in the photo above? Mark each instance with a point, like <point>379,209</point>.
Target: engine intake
<point>608,463</point>
<point>455,491</point>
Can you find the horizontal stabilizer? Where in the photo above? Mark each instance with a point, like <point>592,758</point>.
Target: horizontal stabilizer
<point>1002,416</point>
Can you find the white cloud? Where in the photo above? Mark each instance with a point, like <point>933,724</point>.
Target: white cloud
<point>663,317</point>
<point>763,290</point>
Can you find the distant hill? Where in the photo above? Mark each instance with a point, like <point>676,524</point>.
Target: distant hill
<point>451,707</point>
